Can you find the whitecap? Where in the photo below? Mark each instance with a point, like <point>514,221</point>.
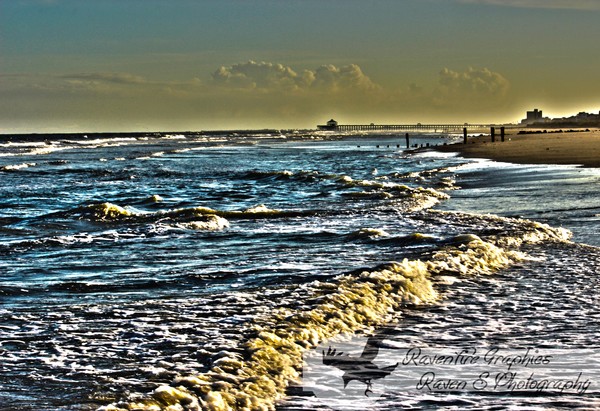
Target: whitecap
<point>15,167</point>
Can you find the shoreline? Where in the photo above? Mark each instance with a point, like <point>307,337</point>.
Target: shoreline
<point>581,148</point>
<point>573,147</point>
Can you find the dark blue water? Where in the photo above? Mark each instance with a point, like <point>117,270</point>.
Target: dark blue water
<point>129,264</point>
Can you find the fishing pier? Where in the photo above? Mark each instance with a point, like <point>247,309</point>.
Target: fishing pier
<point>333,125</point>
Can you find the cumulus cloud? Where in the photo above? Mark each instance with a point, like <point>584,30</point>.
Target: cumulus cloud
<point>472,87</point>
<point>263,88</point>
<point>545,4</point>
<point>255,75</point>
<point>266,76</point>
<point>349,77</point>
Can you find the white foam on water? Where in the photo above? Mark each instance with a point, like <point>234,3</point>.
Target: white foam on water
<point>40,150</point>
<point>368,233</point>
<point>15,167</point>
<point>213,223</point>
<point>258,378</point>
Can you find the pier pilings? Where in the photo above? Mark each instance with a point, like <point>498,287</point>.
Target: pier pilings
<point>443,128</point>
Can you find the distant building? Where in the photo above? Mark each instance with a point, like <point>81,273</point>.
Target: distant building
<point>581,119</point>
<point>534,116</point>
<point>331,125</point>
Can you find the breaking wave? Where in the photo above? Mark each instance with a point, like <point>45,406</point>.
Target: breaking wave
<point>15,167</point>
<point>109,212</point>
<point>368,233</point>
<point>257,374</point>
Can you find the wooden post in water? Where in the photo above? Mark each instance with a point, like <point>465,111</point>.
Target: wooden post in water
<point>493,133</point>
<point>502,134</point>
<point>465,135</point>
<point>407,141</point>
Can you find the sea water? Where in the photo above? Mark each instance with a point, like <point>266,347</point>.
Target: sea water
<point>198,272</point>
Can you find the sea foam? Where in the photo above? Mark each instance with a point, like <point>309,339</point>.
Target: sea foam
<point>257,376</point>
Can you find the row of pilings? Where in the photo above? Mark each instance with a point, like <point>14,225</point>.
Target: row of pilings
<point>465,135</point>
<point>492,134</point>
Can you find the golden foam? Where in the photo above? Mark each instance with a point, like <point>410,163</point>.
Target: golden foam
<point>355,302</point>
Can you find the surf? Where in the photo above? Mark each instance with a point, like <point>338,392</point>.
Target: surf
<point>256,376</point>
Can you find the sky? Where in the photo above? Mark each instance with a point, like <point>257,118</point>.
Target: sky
<point>177,65</point>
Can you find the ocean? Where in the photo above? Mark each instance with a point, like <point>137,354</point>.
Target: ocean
<point>221,271</point>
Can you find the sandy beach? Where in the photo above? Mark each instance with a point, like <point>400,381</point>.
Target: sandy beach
<point>581,148</point>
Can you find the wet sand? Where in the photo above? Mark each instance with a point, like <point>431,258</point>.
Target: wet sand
<point>581,148</point>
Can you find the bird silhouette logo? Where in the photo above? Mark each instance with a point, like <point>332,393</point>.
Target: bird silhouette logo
<point>362,368</point>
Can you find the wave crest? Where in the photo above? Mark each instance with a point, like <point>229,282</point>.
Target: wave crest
<point>270,359</point>
<point>212,223</point>
<point>366,233</point>
<point>16,167</point>
<point>106,212</point>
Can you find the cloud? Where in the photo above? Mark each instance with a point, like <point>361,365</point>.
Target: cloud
<point>351,77</point>
<point>118,84</point>
<point>251,94</point>
<point>118,78</point>
<point>474,87</point>
<point>253,75</point>
<point>273,77</point>
<point>97,101</point>
<point>254,90</point>
<point>544,4</point>
<point>265,89</point>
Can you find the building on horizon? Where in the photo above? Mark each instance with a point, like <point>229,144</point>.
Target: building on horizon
<point>582,119</point>
<point>533,116</point>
